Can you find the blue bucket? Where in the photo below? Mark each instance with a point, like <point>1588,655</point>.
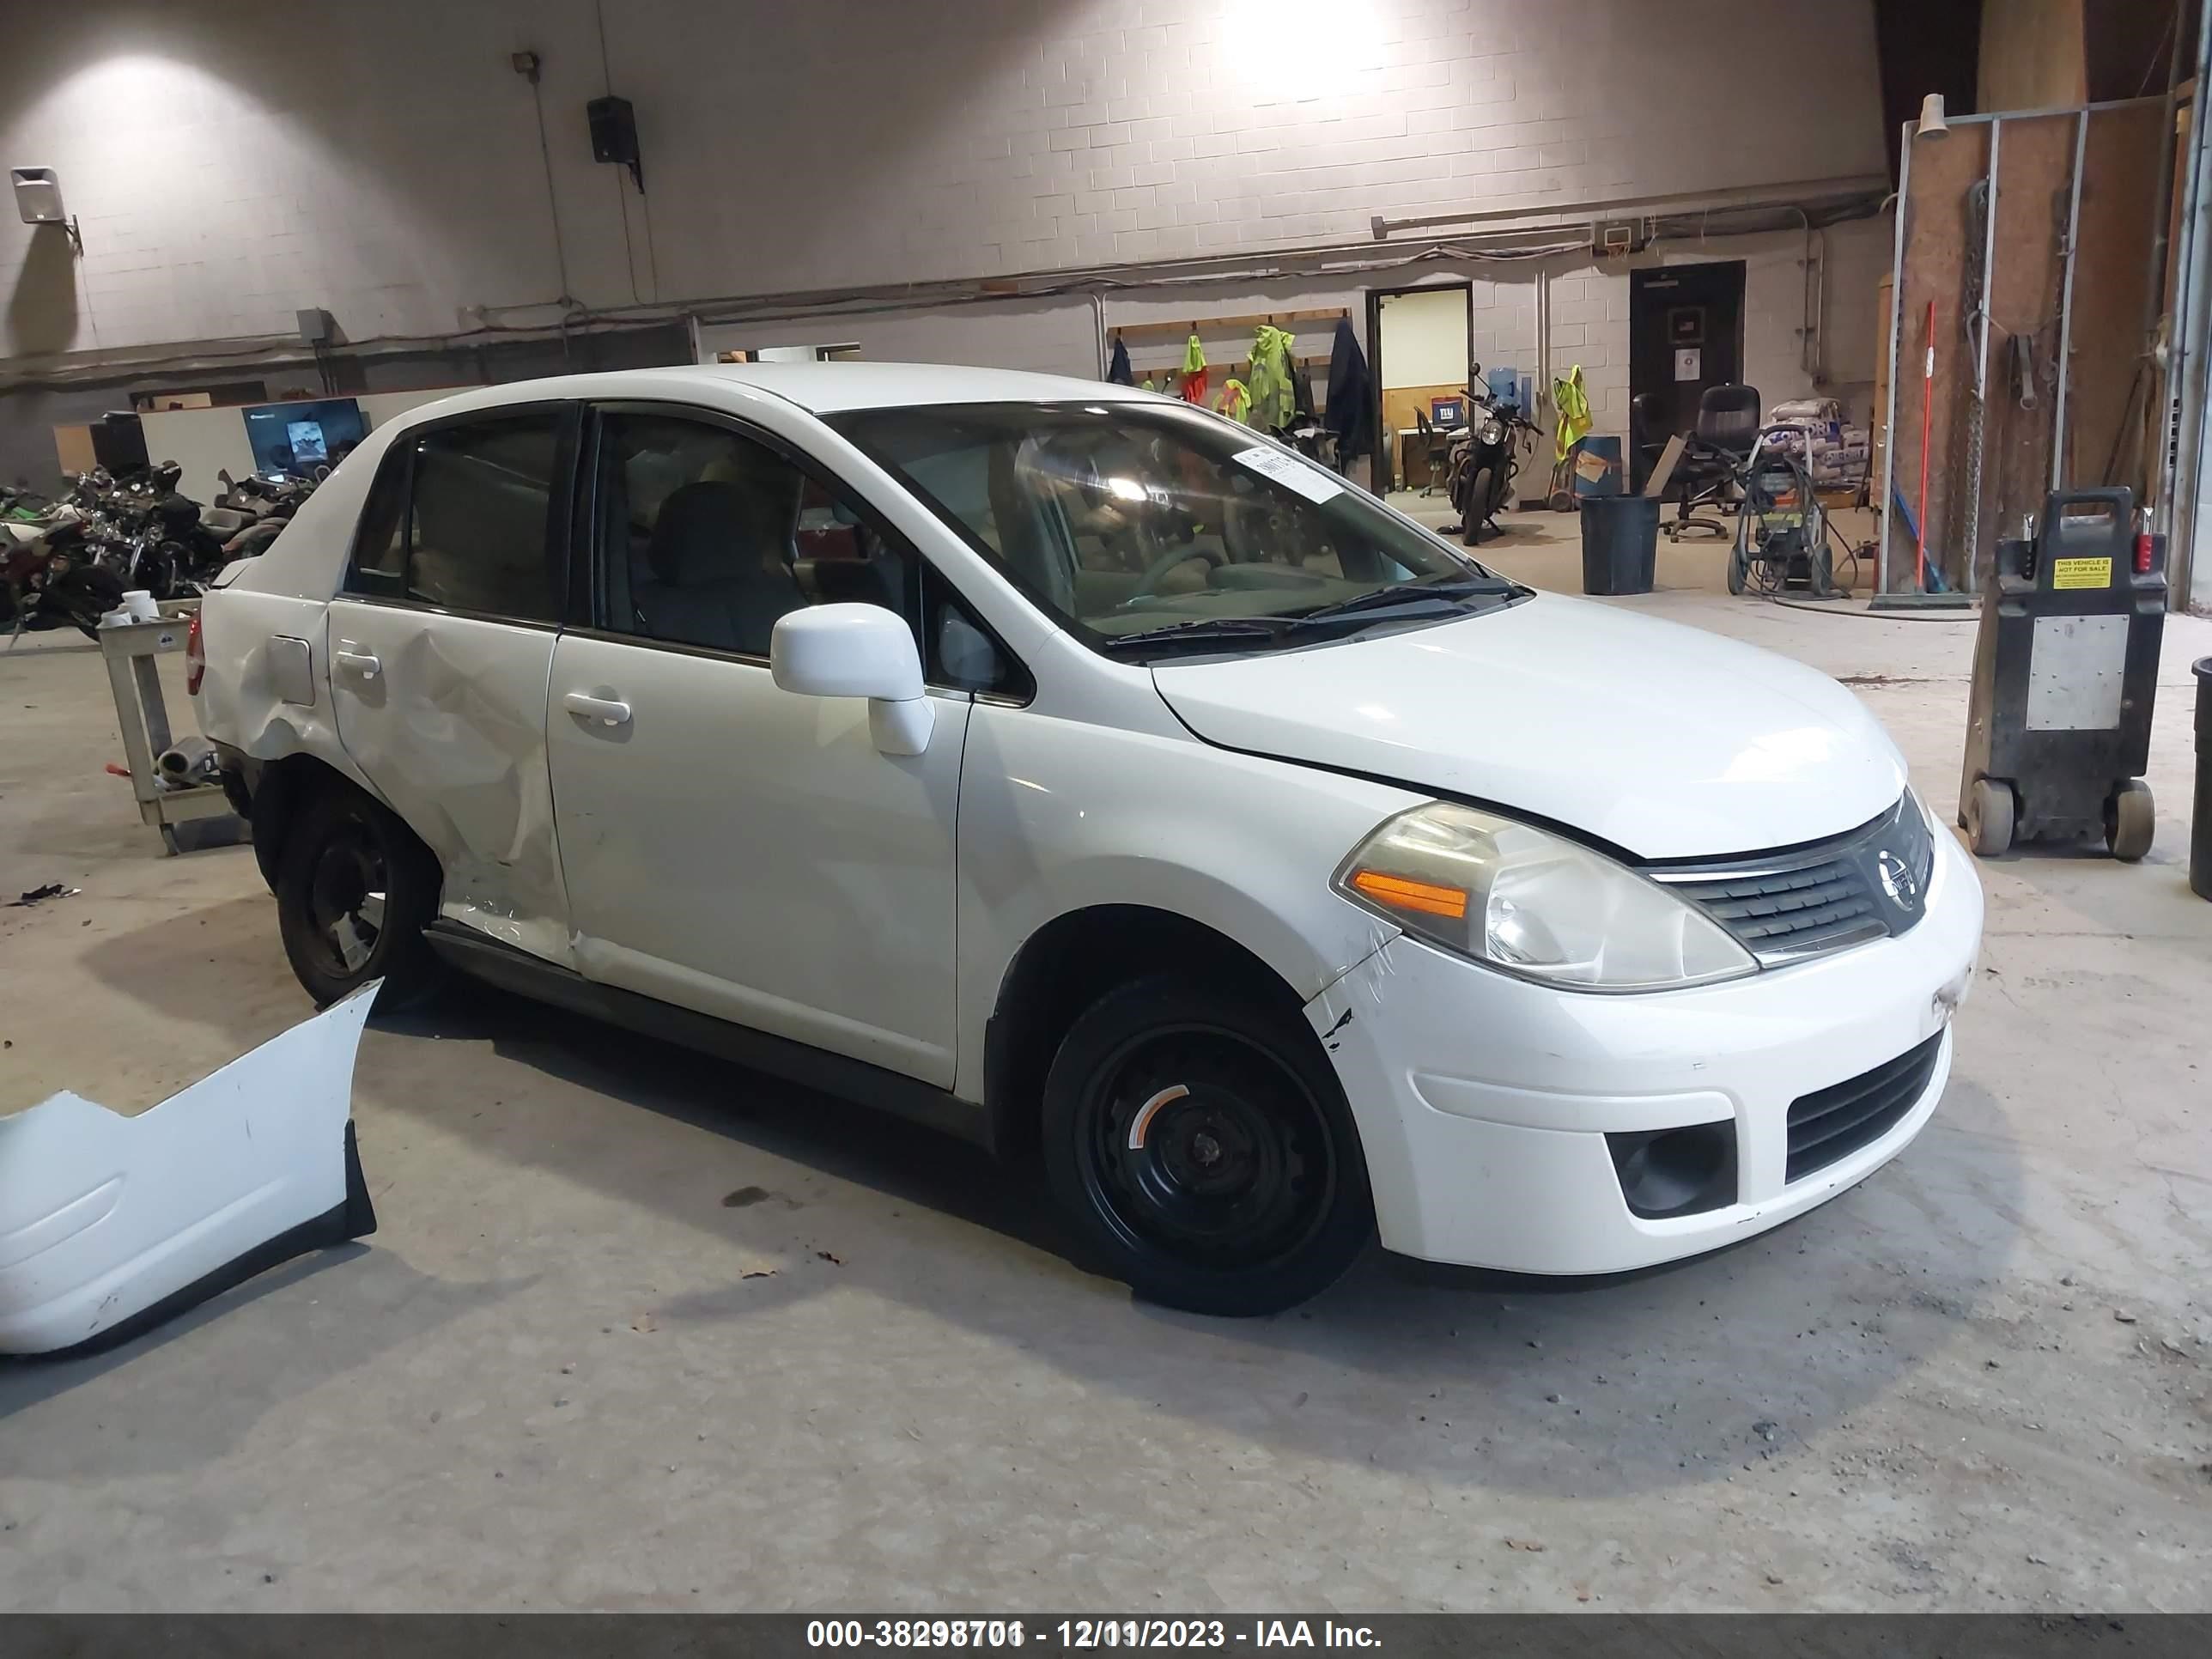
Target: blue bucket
<point>1596,466</point>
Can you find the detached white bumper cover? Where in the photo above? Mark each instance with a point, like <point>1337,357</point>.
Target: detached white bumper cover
<point>1484,1102</point>
<point>110,1224</point>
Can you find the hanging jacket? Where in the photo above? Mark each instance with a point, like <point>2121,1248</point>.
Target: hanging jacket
<point>1573,404</point>
<point>1192,388</point>
<point>1236,401</point>
<point>1351,410</point>
<point>1118,370</point>
<point>1272,401</point>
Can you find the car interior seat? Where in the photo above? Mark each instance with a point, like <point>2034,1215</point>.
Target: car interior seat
<point>720,579</point>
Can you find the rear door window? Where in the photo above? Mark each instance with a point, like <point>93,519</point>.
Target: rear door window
<point>463,519</point>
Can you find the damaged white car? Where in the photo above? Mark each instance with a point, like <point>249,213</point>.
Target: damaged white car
<point>1067,767</point>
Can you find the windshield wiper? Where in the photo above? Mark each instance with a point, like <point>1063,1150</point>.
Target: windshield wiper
<point>1206,632</point>
<point>1412,598</point>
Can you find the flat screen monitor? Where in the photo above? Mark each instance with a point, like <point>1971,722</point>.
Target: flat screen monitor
<point>299,437</point>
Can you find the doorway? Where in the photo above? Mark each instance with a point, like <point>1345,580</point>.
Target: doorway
<point>1419,340</point>
<point>1684,334</point>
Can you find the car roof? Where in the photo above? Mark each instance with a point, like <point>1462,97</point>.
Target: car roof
<point>823,388</point>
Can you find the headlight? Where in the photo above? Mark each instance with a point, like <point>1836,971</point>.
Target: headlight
<point>1936,827</point>
<point>1533,904</point>
<point>1492,431</point>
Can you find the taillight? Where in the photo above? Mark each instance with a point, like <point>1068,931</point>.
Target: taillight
<point>195,657</point>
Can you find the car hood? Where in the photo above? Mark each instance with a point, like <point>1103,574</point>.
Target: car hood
<point>1667,741</point>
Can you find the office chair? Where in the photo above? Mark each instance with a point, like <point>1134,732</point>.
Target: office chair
<point>1437,444</point>
<point>1719,447</point>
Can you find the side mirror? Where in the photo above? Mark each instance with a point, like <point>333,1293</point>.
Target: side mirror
<point>857,651</point>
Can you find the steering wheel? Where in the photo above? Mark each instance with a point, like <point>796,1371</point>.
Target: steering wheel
<point>1149,588</point>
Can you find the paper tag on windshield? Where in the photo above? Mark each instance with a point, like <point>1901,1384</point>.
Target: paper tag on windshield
<point>1307,480</point>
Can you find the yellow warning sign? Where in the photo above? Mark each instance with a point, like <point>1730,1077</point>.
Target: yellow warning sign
<point>2082,573</point>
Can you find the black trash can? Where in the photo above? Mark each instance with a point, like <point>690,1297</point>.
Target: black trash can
<point>1620,542</point>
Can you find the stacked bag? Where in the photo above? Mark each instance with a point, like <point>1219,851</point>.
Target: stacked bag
<point>1834,452</point>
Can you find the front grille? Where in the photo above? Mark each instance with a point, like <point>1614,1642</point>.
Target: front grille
<point>1836,1121</point>
<point>1820,907</point>
<point>1811,900</point>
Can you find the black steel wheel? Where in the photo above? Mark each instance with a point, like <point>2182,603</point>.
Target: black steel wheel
<point>355,890</point>
<point>1201,1144</point>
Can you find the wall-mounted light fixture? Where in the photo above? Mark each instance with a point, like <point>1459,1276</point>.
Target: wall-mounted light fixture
<point>38,200</point>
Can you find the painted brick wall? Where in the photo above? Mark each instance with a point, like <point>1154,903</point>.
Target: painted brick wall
<point>231,164</point>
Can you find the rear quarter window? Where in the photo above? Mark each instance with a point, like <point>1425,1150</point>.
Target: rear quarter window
<point>378,568</point>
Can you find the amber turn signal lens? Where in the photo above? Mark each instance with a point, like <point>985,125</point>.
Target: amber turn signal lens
<point>1403,895</point>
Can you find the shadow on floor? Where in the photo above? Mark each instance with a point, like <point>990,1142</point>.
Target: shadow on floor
<point>1677,1375</point>
<point>226,1362</point>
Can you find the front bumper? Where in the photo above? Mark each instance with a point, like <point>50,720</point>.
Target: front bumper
<point>1484,1100</point>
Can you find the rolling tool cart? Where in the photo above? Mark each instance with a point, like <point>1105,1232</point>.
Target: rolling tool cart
<point>143,715</point>
<point>2065,666</point>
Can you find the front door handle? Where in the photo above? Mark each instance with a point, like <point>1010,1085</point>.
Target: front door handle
<point>363,663</point>
<point>610,710</point>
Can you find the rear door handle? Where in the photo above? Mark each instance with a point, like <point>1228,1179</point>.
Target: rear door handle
<point>607,710</point>
<point>363,663</point>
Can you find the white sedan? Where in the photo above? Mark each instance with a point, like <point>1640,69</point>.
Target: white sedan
<point>1075,770</point>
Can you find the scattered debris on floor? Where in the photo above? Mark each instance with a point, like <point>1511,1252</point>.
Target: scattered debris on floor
<point>52,890</point>
<point>132,1219</point>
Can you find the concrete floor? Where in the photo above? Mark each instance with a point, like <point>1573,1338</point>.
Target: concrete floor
<point>1976,1382</point>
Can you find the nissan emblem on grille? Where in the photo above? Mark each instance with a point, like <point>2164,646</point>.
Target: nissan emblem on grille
<point>1898,880</point>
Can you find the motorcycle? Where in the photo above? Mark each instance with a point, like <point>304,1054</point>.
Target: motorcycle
<point>251,512</point>
<point>1484,459</point>
<point>56,582</point>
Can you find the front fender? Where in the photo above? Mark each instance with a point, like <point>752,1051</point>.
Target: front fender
<point>1058,816</point>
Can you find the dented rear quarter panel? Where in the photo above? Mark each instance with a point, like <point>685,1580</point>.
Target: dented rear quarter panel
<point>284,593</point>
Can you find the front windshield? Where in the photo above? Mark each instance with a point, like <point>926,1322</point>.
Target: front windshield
<point>1146,528</point>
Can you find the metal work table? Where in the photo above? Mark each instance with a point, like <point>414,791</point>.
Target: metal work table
<point>130,649</point>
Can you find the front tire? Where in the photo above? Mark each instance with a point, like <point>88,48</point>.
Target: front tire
<point>354,890</point>
<point>1200,1145</point>
<point>1478,505</point>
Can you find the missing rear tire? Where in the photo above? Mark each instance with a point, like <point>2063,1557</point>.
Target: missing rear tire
<point>355,890</point>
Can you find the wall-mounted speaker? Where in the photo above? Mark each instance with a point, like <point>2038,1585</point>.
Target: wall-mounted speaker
<point>614,135</point>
